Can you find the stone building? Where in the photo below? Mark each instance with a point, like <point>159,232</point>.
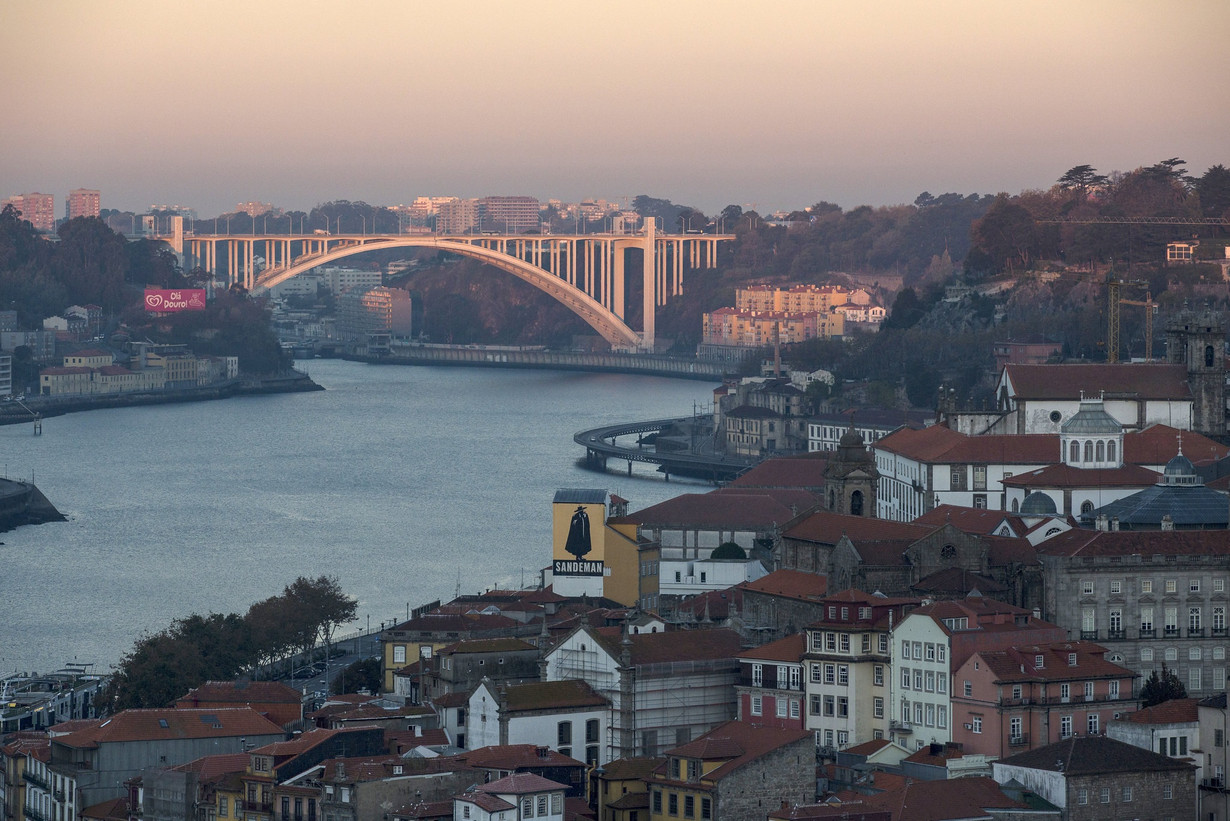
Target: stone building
<point>1198,342</point>
<point>1094,777</point>
<point>851,478</point>
<point>1148,596</point>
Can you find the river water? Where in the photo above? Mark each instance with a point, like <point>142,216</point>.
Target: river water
<point>407,483</point>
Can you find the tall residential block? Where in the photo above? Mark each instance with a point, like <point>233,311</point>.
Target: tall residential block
<point>37,209</point>
<point>83,202</point>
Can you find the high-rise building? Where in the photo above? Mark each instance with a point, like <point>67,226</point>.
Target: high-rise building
<point>456,216</point>
<point>37,209</point>
<point>508,215</point>
<point>83,202</point>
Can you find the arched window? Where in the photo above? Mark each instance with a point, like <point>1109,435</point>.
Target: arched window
<point>832,499</point>
<point>1016,506</point>
<point>856,503</point>
<point>1208,356</point>
<point>1101,451</point>
<point>1086,506</point>
<point>1089,451</point>
<point>1110,451</point>
<point>1074,451</point>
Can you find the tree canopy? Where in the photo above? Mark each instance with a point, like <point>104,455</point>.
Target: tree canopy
<point>1158,688</point>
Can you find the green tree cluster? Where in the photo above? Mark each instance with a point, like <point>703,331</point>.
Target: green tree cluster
<point>1165,686</point>
<point>164,666</point>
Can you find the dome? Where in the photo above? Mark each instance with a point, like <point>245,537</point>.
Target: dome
<point>1038,504</point>
<point>1180,465</point>
<point>851,439</point>
<point>1091,420</point>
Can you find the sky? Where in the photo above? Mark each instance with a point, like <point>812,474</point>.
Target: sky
<point>772,106</point>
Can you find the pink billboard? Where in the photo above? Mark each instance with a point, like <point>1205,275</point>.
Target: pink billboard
<point>166,302</point>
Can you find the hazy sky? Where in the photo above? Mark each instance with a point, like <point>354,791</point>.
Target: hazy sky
<point>773,104</point>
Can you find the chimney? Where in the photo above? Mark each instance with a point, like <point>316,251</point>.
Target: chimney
<point>1114,524</point>
<point>1102,523</point>
<point>341,771</point>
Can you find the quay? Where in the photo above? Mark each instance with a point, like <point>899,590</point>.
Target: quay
<point>685,452</point>
<point>21,503</point>
<point>496,356</point>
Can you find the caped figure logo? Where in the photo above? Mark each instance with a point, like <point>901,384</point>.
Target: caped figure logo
<point>578,534</point>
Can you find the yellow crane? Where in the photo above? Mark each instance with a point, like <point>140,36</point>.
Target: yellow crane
<point>1114,300</point>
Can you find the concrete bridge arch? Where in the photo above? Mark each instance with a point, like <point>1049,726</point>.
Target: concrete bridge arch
<point>609,325</point>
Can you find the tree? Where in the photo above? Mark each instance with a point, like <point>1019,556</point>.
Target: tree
<point>1081,178</point>
<point>1214,190</point>
<point>1159,688</point>
<point>318,607</point>
<point>363,674</point>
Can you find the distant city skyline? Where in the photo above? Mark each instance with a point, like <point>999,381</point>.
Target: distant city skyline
<point>706,104</point>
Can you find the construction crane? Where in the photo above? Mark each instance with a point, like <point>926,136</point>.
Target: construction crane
<point>1113,301</point>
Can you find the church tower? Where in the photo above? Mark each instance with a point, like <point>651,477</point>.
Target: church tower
<point>851,477</point>
<point>1197,340</point>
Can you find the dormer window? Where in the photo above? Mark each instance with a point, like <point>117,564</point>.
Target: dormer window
<point>1071,659</point>
<point>1039,662</point>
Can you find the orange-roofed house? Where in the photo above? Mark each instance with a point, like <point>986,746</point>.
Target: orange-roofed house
<point>737,770</point>
<point>278,702</point>
<point>644,676</point>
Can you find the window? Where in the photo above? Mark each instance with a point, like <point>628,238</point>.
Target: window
<point>905,678</point>
<point>672,804</point>
<point>941,717</point>
<point>843,706</point>
<point>830,641</point>
<point>706,808</point>
<point>689,806</point>
<point>930,682</point>
<point>1105,795</point>
<point>1114,688</point>
<point>1146,586</point>
<point>815,673</point>
<point>884,642</point>
<point>1146,654</point>
<point>845,642</point>
<point>794,708</point>
<point>1219,619</point>
<point>1146,619</point>
<point>878,675</point>
<point>843,674</point>
<point>1116,587</point>
<point>399,654</point>
<point>591,731</point>
<point>1219,585</point>
<point>1193,586</point>
<point>557,803</point>
<point>918,679</point>
<point>1065,727</point>
<point>1172,586</point>
<point>780,705</point>
<point>918,650</point>
<point>1193,654</point>
<point>224,810</point>
<point>563,733</point>
<point>969,690</point>
<point>1071,659</point>
<point>941,682</point>
<point>757,675</point>
<point>1039,662</point>
<point>1088,691</point>
<point>1016,692</point>
<point>795,676</point>
<point>814,705</point>
<point>976,724</point>
<point>980,477</point>
<point>1172,620</point>
<point>1172,654</point>
<point>1116,620</point>
<point>1065,692</point>
<point>1093,724</point>
<point>941,654</point>
<point>1014,727</point>
<point>1127,793</point>
<point>830,673</point>
<point>930,719</point>
<point>1167,792</point>
<point>980,501</point>
<point>1089,622</point>
<point>657,801</point>
<point>1193,679</point>
<point>1082,796</point>
<point>879,708</point>
<point>830,705</point>
<point>1193,620</point>
<point>930,651</point>
<point>756,705</point>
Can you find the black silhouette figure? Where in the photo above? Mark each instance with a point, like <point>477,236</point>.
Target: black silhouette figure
<point>578,534</point>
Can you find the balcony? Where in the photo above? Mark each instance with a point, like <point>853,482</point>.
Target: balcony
<point>1213,784</point>
<point>1147,632</point>
<point>1172,631</point>
<point>36,780</point>
<point>1195,633</point>
<point>902,727</point>
<point>1115,634</point>
<point>1218,631</point>
<point>1089,635</point>
<point>1018,740</point>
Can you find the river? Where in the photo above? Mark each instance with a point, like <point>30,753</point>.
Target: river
<point>407,483</point>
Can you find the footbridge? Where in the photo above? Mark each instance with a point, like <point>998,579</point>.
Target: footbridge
<point>587,273</point>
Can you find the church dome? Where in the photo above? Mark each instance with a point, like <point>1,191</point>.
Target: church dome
<point>1038,504</point>
<point>1091,420</point>
<point>1180,465</point>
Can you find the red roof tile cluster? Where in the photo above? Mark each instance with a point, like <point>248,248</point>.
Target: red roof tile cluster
<point>940,800</point>
<point>801,471</point>
<point>522,783</point>
<point>679,645</point>
<point>545,695</point>
<point>243,692</point>
<point>1020,663</point>
<point>516,757</point>
<point>828,528</point>
<point>788,649</point>
<point>746,508</point>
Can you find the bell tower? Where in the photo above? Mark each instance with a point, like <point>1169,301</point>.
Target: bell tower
<point>851,477</point>
<point>1197,340</point>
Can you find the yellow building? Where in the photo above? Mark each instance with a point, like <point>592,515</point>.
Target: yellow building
<point>757,328</point>
<point>622,792</point>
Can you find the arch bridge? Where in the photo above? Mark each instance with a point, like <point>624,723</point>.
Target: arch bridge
<point>584,272</point>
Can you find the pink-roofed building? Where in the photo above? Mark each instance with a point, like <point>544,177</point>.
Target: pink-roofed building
<point>1029,695</point>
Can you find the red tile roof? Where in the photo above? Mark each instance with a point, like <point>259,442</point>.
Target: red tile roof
<point>150,725</point>
<point>828,528</point>
<point>522,783</point>
<point>790,584</point>
<point>504,645</point>
<point>789,649</point>
<point>1175,711</point>
<point>551,695</point>
<point>1148,381</point>
<point>1067,476</point>
<point>1093,543</point>
<point>212,767</point>
<point>516,757</point>
<point>941,800</point>
<point>679,645</point>
<point>1019,663</point>
<point>747,508</point>
<point>737,743</point>
<point>244,692</point>
<point>802,471</point>
<point>1158,444</point>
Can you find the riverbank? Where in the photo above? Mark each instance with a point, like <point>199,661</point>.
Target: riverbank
<point>495,356</point>
<point>15,413</point>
